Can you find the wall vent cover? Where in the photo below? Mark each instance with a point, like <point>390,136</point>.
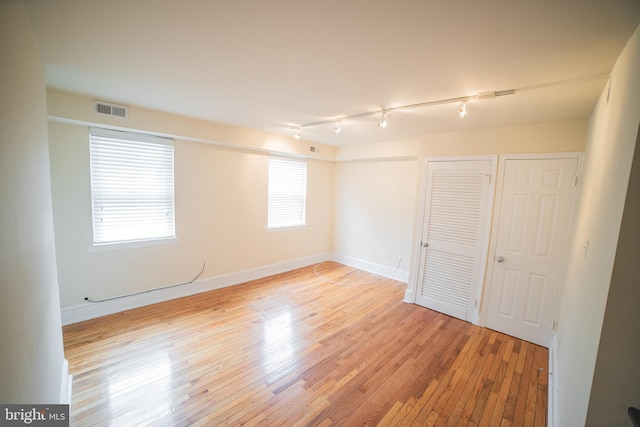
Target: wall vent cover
<point>113,110</point>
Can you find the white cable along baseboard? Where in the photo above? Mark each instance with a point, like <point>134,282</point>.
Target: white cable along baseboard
<point>86,311</point>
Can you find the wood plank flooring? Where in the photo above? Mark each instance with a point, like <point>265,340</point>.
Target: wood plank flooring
<point>296,350</point>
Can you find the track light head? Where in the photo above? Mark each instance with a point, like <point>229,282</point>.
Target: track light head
<point>384,120</point>
<point>296,132</point>
<point>462,110</point>
<point>337,128</point>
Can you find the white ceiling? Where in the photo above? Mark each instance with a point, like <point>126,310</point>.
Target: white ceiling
<point>271,65</point>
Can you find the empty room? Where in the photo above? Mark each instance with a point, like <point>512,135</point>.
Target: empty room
<point>320,213</point>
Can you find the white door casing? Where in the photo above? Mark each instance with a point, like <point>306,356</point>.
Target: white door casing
<point>454,236</point>
<point>533,220</point>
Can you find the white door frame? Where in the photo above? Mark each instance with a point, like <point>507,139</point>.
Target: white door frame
<point>502,159</point>
<point>419,228</point>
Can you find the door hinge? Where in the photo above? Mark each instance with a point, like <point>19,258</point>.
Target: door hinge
<point>554,325</point>
<point>575,182</point>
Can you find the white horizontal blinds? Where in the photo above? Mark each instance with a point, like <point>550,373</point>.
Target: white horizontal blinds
<point>287,193</point>
<point>131,187</point>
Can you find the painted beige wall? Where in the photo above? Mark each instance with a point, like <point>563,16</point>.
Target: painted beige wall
<point>569,136</point>
<point>553,137</point>
<point>609,153</point>
<point>616,379</point>
<point>221,195</point>
<point>65,106</point>
<point>374,204</point>
<point>31,353</point>
<point>221,198</point>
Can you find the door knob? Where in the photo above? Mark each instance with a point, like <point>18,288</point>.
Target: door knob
<point>425,245</point>
<point>500,259</point>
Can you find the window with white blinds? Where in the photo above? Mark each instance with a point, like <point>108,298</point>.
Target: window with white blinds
<point>287,193</point>
<point>131,187</point>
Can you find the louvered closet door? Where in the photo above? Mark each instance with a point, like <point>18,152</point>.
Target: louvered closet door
<point>454,235</point>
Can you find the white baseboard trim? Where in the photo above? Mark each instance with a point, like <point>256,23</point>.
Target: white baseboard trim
<point>86,311</point>
<point>408,295</point>
<point>379,269</point>
<point>66,384</point>
<point>552,392</point>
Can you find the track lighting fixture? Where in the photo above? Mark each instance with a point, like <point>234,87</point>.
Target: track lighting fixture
<point>384,120</point>
<point>462,110</point>
<point>386,112</point>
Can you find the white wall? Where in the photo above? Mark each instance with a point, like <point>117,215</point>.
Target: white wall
<point>610,149</point>
<point>32,363</point>
<point>220,200</point>
<point>616,379</point>
<point>373,215</point>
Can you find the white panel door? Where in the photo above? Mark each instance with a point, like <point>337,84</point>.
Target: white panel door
<point>454,235</point>
<point>531,246</point>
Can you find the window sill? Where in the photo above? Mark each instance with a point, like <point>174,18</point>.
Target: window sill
<point>132,245</point>
<point>291,228</point>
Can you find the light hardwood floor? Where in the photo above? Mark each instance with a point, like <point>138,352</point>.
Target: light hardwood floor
<point>296,350</point>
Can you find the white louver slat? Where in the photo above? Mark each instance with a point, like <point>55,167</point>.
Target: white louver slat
<point>448,278</point>
<point>454,227</point>
<point>454,210</point>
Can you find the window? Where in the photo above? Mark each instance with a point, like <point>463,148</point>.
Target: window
<point>131,187</point>
<point>287,193</point>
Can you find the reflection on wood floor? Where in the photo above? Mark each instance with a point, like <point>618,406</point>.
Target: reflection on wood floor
<point>294,349</point>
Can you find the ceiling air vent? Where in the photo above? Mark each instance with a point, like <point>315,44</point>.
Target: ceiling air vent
<point>112,110</point>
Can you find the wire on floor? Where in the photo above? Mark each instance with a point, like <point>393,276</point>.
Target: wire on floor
<point>341,282</point>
